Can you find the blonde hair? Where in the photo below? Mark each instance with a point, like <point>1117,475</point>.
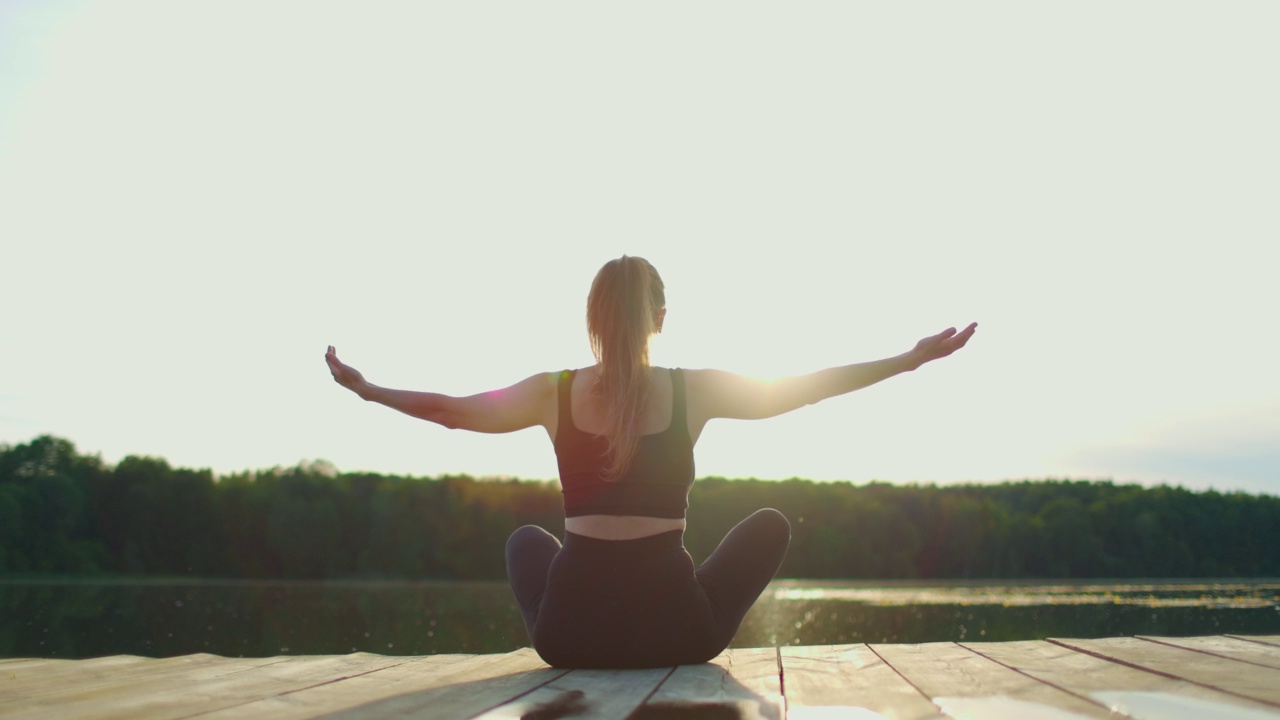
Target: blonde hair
<point>626,300</point>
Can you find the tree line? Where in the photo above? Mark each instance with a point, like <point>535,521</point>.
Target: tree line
<point>62,512</point>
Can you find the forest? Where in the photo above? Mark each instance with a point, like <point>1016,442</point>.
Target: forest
<point>66,513</point>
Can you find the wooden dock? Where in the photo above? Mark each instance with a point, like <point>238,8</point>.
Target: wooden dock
<point>1144,677</point>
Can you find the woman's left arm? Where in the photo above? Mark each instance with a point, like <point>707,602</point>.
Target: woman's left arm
<point>528,403</point>
<point>719,394</point>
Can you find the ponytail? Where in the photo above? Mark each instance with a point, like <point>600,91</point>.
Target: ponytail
<point>622,314</point>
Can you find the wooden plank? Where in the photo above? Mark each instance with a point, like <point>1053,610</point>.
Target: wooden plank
<point>1229,676</point>
<point>1264,639</point>
<point>201,689</point>
<point>1178,707</point>
<point>106,661</point>
<point>1221,646</point>
<point>602,694</point>
<point>743,681</point>
<point>46,686</point>
<point>19,664</point>
<point>73,676</point>
<point>1002,707</point>
<point>14,675</point>
<point>22,666</point>
<point>946,672</point>
<point>444,686</point>
<point>1092,677</point>
<point>20,681</point>
<point>841,680</point>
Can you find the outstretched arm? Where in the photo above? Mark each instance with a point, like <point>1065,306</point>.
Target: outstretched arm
<point>715,393</point>
<point>525,404</point>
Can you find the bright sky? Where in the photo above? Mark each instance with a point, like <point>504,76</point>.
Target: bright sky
<point>196,198</point>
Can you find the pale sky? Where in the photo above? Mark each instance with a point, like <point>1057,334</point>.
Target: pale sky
<point>197,198</point>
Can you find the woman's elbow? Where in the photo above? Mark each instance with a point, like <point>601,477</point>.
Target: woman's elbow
<point>443,417</point>
<point>789,396</point>
<point>453,421</point>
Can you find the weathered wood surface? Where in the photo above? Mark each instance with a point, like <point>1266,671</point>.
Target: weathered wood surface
<point>1226,647</point>
<point>821,678</point>
<point>747,679</point>
<point>1221,676</point>
<point>948,673</point>
<point>181,689</point>
<point>608,694</point>
<point>1216,673</point>
<point>1087,675</point>
<point>1264,639</point>
<point>433,686</point>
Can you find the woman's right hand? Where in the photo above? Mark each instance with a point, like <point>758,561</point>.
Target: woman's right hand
<point>345,375</point>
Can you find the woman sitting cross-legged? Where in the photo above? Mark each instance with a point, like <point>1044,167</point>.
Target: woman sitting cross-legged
<point>621,591</point>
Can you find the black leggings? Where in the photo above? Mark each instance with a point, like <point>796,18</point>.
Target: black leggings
<point>640,603</point>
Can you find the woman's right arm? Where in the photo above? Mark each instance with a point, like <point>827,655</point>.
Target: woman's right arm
<point>527,403</point>
<point>719,394</point>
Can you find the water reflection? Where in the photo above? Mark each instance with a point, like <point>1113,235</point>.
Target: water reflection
<point>809,613</point>
<point>264,619</point>
<point>1224,595</point>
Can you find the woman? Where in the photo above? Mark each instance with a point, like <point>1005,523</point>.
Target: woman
<point>622,591</point>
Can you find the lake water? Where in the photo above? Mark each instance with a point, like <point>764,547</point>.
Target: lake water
<point>254,619</point>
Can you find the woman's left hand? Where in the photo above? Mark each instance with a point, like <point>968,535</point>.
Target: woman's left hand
<point>941,345</point>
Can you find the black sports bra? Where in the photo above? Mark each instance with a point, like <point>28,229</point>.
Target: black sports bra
<point>657,483</point>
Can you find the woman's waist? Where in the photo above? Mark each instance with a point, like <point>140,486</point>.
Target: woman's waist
<point>621,527</point>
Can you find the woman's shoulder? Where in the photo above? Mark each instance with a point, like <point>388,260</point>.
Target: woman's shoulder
<point>674,372</point>
<point>537,383</point>
<point>704,374</point>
